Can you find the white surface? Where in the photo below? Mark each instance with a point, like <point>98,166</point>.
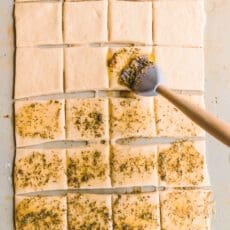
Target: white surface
<point>217,56</point>
<point>217,64</point>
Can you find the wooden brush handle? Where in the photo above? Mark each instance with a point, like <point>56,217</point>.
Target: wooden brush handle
<point>204,119</point>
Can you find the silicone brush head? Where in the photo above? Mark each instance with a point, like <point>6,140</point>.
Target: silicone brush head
<point>142,76</point>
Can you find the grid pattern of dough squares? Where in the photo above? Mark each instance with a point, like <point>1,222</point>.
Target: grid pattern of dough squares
<point>67,47</point>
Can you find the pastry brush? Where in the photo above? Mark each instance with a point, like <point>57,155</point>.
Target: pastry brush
<point>144,78</point>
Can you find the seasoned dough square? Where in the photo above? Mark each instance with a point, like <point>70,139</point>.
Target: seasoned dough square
<point>36,212</point>
<point>136,211</point>
<point>178,23</point>
<point>182,164</point>
<point>85,22</point>
<point>38,23</point>
<point>130,21</point>
<point>119,58</point>
<point>188,209</point>
<point>183,68</point>
<point>89,211</point>
<point>39,71</point>
<point>133,165</point>
<point>40,170</point>
<point>39,121</point>
<point>86,68</point>
<point>171,122</point>
<point>87,119</point>
<point>131,118</point>
<point>88,167</point>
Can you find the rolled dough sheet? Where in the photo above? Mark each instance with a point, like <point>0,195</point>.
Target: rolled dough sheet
<point>171,122</point>
<point>85,22</point>
<point>131,118</point>
<point>39,121</point>
<point>183,164</point>
<point>88,167</point>
<point>119,57</point>
<point>188,209</point>
<point>87,210</point>
<point>38,23</point>
<point>136,211</point>
<point>40,170</point>
<point>183,68</point>
<point>133,166</point>
<point>86,68</point>
<point>39,71</point>
<point>35,212</point>
<point>130,21</point>
<point>178,23</point>
<point>87,119</point>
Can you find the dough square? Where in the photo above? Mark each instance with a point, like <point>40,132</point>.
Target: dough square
<point>85,22</point>
<point>186,209</point>
<point>89,211</point>
<point>183,68</point>
<point>38,212</point>
<point>88,167</point>
<point>87,119</point>
<point>131,117</point>
<point>39,71</point>
<point>130,21</point>
<point>119,58</point>
<point>171,122</point>
<point>136,211</point>
<point>182,164</point>
<point>38,23</point>
<point>133,166</point>
<point>39,121</point>
<point>86,68</point>
<point>178,23</point>
<point>39,170</point>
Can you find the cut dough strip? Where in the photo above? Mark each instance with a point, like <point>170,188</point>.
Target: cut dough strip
<point>39,71</point>
<point>40,170</point>
<point>191,209</point>
<point>39,121</point>
<point>38,23</point>
<point>133,166</point>
<point>88,167</point>
<point>87,211</point>
<point>136,211</point>
<point>182,164</point>
<point>39,212</point>
<point>171,122</point>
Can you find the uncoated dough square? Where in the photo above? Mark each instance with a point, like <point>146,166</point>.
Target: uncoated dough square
<point>131,117</point>
<point>38,212</point>
<point>38,23</point>
<point>183,68</point>
<point>88,167</point>
<point>39,71</point>
<point>119,58</point>
<point>182,164</point>
<point>86,68</point>
<point>178,23</point>
<point>87,210</point>
<point>186,209</point>
<point>87,119</point>
<point>136,211</point>
<point>85,22</point>
<point>171,122</point>
<point>39,121</point>
<point>133,165</point>
<point>40,170</point>
<point>130,22</point>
